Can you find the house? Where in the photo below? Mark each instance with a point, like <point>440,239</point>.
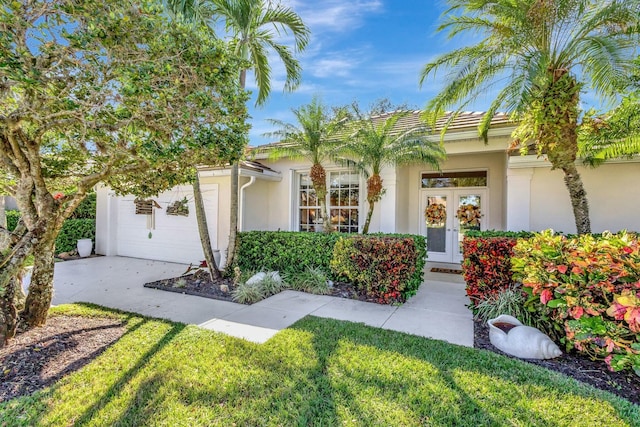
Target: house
<point>480,186</point>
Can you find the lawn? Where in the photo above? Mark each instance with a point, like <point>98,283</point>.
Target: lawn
<point>318,372</point>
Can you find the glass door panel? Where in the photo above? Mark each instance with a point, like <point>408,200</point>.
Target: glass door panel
<point>435,215</point>
<point>469,216</point>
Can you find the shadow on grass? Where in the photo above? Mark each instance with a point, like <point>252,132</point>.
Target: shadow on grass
<point>113,391</point>
<point>455,370</point>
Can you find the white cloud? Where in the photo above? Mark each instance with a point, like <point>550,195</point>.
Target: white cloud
<point>331,67</point>
<point>335,15</point>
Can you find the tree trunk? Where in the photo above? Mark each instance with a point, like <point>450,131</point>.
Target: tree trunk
<point>203,230</point>
<point>3,212</point>
<point>233,218</point>
<point>40,290</point>
<point>365,230</point>
<point>11,304</point>
<point>579,201</point>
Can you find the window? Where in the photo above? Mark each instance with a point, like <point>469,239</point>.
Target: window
<point>454,179</point>
<point>309,211</point>
<point>342,204</point>
<point>344,198</point>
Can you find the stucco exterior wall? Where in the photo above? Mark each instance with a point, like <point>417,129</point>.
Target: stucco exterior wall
<point>120,231</point>
<point>612,190</point>
<point>494,163</point>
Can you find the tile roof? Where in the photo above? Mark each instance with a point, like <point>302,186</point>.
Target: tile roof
<point>465,121</point>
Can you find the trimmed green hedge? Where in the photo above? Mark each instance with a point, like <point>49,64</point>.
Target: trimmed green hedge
<point>74,230</point>
<point>285,251</point>
<point>293,252</point>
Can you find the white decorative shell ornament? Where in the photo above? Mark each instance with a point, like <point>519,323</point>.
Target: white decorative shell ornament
<point>509,335</point>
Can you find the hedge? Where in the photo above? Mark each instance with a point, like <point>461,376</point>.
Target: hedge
<point>381,266</point>
<point>293,252</point>
<point>74,230</point>
<point>487,262</point>
<point>285,251</point>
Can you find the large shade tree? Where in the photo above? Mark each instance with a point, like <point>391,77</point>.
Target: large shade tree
<point>92,92</point>
<point>314,138</point>
<point>537,56</point>
<point>255,26</point>
<point>378,141</point>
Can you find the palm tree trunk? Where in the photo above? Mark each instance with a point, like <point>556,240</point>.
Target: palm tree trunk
<point>233,219</point>
<point>365,230</point>
<point>578,195</point>
<point>203,231</point>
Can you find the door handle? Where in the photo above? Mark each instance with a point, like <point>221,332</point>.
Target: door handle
<point>455,229</point>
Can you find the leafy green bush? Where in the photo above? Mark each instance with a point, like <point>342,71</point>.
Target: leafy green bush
<point>589,288</point>
<point>12,219</point>
<point>381,266</point>
<point>74,230</point>
<point>86,209</point>
<point>285,251</point>
<point>313,280</point>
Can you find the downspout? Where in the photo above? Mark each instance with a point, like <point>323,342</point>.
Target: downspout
<point>241,203</point>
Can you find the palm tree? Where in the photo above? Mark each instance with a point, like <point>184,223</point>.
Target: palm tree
<point>313,139</point>
<point>614,136</point>
<point>539,55</point>
<point>377,142</point>
<point>254,26</point>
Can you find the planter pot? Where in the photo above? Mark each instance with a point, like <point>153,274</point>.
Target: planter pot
<point>84,247</point>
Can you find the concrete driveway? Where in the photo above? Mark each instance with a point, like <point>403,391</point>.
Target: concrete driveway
<point>437,311</point>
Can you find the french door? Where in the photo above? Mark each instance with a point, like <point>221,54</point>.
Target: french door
<point>446,215</point>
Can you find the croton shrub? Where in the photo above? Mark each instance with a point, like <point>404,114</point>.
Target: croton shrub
<point>382,266</point>
<point>590,287</point>
<point>487,263</point>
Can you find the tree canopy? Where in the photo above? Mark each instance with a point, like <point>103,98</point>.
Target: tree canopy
<point>105,91</point>
<point>537,56</point>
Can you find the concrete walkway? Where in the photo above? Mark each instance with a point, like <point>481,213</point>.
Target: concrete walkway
<point>437,311</point>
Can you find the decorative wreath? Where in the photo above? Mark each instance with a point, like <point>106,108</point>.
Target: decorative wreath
<point>435,213</point>
<point>469,215</point>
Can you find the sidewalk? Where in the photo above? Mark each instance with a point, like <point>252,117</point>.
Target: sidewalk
<point>437,311</point>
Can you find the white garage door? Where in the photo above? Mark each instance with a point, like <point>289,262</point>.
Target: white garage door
<point>172,238</point>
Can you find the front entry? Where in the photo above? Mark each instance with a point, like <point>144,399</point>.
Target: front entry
<point>446,215</point>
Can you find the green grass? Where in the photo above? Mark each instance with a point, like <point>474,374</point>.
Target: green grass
<point>318,372</point>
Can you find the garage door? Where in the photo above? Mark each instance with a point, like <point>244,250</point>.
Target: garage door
<point>166,237</point>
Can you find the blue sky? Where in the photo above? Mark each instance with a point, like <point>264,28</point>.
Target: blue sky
<point>360,50</point>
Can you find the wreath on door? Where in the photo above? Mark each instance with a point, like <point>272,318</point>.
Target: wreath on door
<point>435,214</point>
<point>469,215</point>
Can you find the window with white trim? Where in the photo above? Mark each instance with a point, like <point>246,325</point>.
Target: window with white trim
<point>343,200</point>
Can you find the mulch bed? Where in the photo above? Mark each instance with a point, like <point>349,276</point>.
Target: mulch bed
<point>623,384</point>
<point>38,357</point>
<point>199,284</point>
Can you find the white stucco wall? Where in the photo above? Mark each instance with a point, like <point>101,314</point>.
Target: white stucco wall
<point>494,163</point>
<point>119,231</point>
<point>612,190</point>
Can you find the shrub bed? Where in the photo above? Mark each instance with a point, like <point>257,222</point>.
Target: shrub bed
<point>487,263</point>
<point>294,253</point>
<point>589,288</point>
<point>288,252</point>
<point>381,266</point>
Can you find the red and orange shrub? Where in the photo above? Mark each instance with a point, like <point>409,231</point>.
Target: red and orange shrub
<point>590,287</point>
<point>487,263</point>
<point>382,266</point>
